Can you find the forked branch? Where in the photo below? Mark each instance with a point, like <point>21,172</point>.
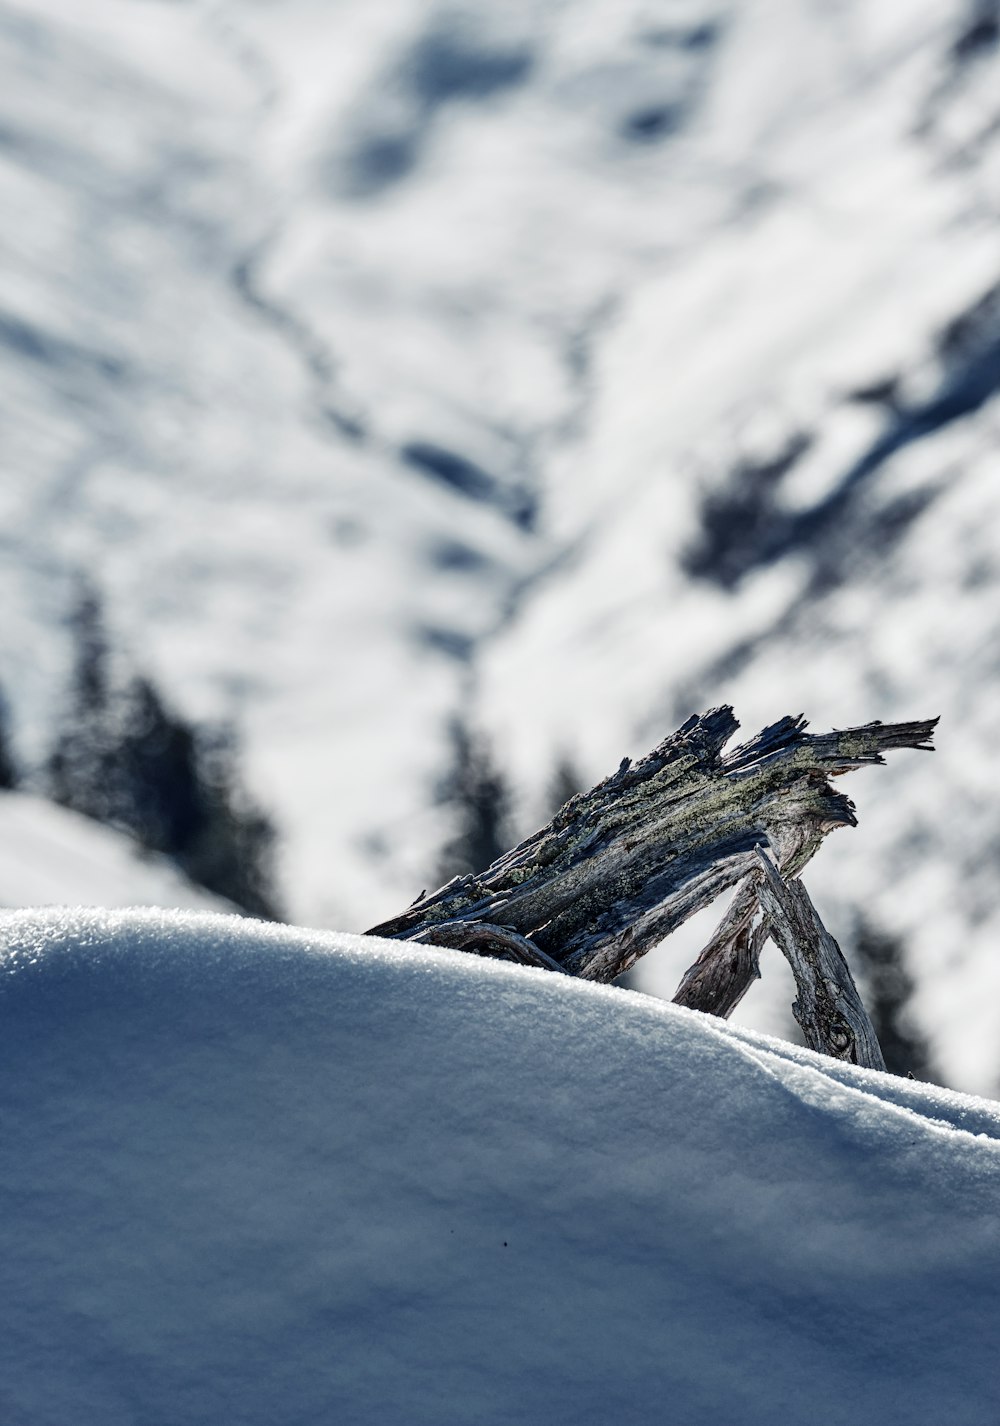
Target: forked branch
<point>620,867</point>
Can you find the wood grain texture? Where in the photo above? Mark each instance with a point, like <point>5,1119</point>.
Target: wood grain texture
<point>620,867</point>
<point>730,962</point>
<point>827,1005</point>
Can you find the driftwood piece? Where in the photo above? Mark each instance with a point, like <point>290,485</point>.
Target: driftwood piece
<point>620,867</point>
<point>827,1006</point>
<point>730,962</point>
<point>484,939</point>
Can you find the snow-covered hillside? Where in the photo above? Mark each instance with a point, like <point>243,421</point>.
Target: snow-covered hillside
<point>567,363</point>
<point>50,856</point>
<point>256,1174</point>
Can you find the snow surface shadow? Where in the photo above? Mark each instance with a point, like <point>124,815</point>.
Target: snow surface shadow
<point>465,478</point>
<point>949,1110</point>
<point>303,340</point>
<point>47,349</point>
<point>446,65</point>
<point>691,46</point>
<point>980,34</point>
<point>744,526</point>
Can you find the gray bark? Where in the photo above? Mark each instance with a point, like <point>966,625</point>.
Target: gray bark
<point>827,1006</point>
<point>482,938</point>
<point>620,867</point>
<point>730,962</point>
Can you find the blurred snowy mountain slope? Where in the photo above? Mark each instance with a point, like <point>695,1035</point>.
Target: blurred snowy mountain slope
<point>808,514</point>
<point>50,856</point>
<point>576,363</point>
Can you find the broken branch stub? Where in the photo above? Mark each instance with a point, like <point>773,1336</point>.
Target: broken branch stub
<point>620,867</point>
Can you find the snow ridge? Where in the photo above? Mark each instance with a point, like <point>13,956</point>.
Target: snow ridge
<point>259,1173</point>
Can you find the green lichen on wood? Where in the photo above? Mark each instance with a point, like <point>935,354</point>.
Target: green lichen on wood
<point>620,866</point>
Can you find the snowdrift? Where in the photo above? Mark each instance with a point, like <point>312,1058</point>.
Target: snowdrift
<point>264,1175</point>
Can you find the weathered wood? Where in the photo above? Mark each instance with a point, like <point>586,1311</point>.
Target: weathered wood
<point>620,867</point>
<point>483,939</point>
<point>827,1006</point>
<point>730,962</point>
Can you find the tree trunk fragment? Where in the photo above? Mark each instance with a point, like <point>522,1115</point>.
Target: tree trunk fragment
<point>620,867</point>
<point>827,1006</point>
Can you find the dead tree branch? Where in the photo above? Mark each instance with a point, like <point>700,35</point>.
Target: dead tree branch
<point>828,1006</point>
<point>620,867</point>
<point>730,962</point>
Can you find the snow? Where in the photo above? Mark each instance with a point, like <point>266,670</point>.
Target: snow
<point>51,856</point>
<point>260,1174</point>
<point>605,253</point>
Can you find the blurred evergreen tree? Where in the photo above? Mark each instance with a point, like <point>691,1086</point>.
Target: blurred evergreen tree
<point>887,989</point>
<point>477,792</point>
<point>232,850</point>
<point>127,760</point>
<point>565,783</point>
<point>81,772</point>
<point>162,797</point>
<point>9,777</point>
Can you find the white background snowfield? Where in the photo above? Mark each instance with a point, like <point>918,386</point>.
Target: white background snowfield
<point>569,365</point>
